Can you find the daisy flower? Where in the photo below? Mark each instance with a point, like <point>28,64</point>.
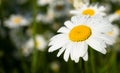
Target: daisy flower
<point>77,34</point>
<point>89,10</point>
<point>79,3</point>
<point>46,18</point>
<point>40,17</point>
<point>44,2</point>
<point>16,21</point>
<point>60,8</point>
<point>114,16</point>
<point>40,44</point>
<point>114,33</point>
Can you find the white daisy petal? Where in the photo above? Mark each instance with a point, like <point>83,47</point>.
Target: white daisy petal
<point>76,60</point>
<point>53,48</point>
<point>81,49</point>
<point>63,30</point>
<point>58,40</point>
<point>58,45</point>
<point>95,44</point>
<point>57,36</point>
<point>67,53</point>
<point>68,24</point>
<point>108,40</point>
<point>60,51</point>
<point>73,11</point>
<point>85,57</point>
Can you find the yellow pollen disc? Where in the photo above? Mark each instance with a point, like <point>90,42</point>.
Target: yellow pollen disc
<point>17,20</point>
<point>80,33</point>
<point>89,12</point>
<point>118,12</point>
<point>37,43</point>
<point>110,33</point>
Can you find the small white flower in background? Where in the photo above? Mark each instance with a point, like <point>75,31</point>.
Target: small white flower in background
<point>114,33</point>
<point>40,17</point>
<point>44,2</point>
<point>29,45</point>
<point>79,3</point>
<point>107,6</point>
<point>55,66</point>
<point>90,10</point>
<point>16,21</point>
<point>46,18</point>
<point>115,16</point>
<point>77,34</point>
<point>50,16</point>
<point>60,8</point>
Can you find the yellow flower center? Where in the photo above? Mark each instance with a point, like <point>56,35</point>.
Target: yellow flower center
<point>37,43</point>
<point>17,20</point>
<point>110,33</point>
<point>118,12</point>
<point>89,12</point>
<point>80,33</point>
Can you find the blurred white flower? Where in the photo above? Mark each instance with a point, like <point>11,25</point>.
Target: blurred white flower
<point>115,16</point>
<point>107,7</point>
<point>16,21</point>
<point>114,33</point>
<point>80,32</point>
<point>90,10</point>
<point>46,18</point>
<point>44,2</point>
<point>79,3</point>
<point>29,45</point>
<point>40,17</point>
<point>60,8</point>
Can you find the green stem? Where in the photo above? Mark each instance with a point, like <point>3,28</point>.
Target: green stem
<point>71,68</point>
<point>1,12</point>
<point>113,62</point>
<point>92,60</point>
<point>35,52</point>
<point>86,67</point>
<point>24,65</point>
<point>80,65</point>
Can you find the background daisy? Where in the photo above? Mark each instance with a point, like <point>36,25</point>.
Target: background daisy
<point>115,16</point>
<point>114,33</point>
<point>28,47</point>
<point>44,2</point>
<point>16,21</point>
<point>60,8</point>
<point>90,10</point>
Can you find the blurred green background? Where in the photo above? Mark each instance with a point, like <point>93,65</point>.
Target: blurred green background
<point>45,19</point>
